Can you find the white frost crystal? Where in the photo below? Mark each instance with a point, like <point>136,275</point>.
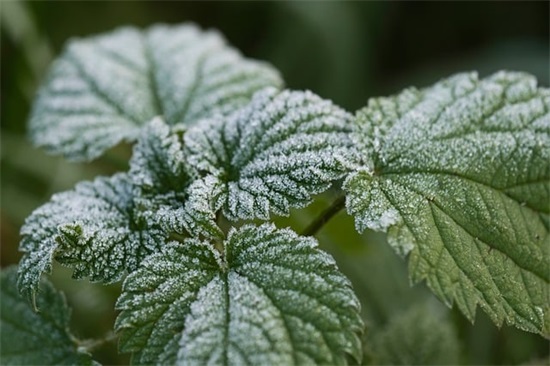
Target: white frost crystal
<point>458,174</point>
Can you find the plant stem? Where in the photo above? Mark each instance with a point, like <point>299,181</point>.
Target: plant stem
<point>91,344</point>
<point>325,216</point>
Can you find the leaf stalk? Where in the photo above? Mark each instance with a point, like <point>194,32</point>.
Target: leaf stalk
<point>325,216</point>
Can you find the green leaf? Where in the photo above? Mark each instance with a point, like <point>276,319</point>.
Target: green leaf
<point>198,215</point>
<point>103,89</point>
<point>272,297</point>
<point>458,175</point>
<point>273,154</point>
<point>91,229</point>
<point>418,336</point>
<point>31,338</point>
<point>158,166</point>
<point>168,192</point>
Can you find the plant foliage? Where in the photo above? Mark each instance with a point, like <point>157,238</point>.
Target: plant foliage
<point>271,298</point>
<point>457,174</point>
<point>103,89</point>
<point>273,154</point>
<point>36,338</point>
<point>91,229</point>
<point>418,336</point>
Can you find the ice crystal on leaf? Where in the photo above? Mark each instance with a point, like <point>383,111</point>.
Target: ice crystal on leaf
<point>91,229</point>
<point>168,191</point>
<point>31,338</point>
<point>459,176</point>
<point>158,165</point>
<point>273,154</point>
<point>103,89</point>
<point>271,298</point>
<point>198,215</point>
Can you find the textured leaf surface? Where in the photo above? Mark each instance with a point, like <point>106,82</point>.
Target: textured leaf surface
<point>158,165</point>
<point>274,154</point>
<point>91,229</point>
<point>198,215</point>
<point>458,174</point>
<point>272,298</point>
<point>104,88</point>
<point>30,338</point>
<point>168,192</point>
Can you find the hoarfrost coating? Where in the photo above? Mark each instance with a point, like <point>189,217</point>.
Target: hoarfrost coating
<point>103,89</point>
<point>270,282</point>
<point>275,153</point>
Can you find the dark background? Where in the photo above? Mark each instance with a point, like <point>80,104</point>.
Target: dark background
<point>344,51</point>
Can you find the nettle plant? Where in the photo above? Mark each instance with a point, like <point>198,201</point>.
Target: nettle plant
<point>457,175</point>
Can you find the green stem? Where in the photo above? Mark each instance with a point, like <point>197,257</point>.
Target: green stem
<point>177,237</point>
<point>89,345</point>
<point>325,216</point>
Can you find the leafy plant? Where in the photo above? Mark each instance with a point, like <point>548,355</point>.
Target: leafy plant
<point>456,174</point>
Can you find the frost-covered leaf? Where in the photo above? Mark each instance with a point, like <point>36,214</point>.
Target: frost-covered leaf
<point>274,154</point>
<point>459,176</point>
<point>167,191</point>
<point>198,214</point>
<point>91,229</point>
<point>36,338</point>
<point>272,298</point>
<point>104,88</point>
<point>158,165</point>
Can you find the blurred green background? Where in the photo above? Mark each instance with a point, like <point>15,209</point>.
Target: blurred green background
<point>345,51</point>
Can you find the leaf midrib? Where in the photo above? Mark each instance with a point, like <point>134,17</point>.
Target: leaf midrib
<point>480,293</point>
<point>151,75</point>
<point>438,205</point>
<point>501,293</point>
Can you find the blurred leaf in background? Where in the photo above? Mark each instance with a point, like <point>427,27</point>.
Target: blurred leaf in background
<point>421,335</point>
<point>345,51</point>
